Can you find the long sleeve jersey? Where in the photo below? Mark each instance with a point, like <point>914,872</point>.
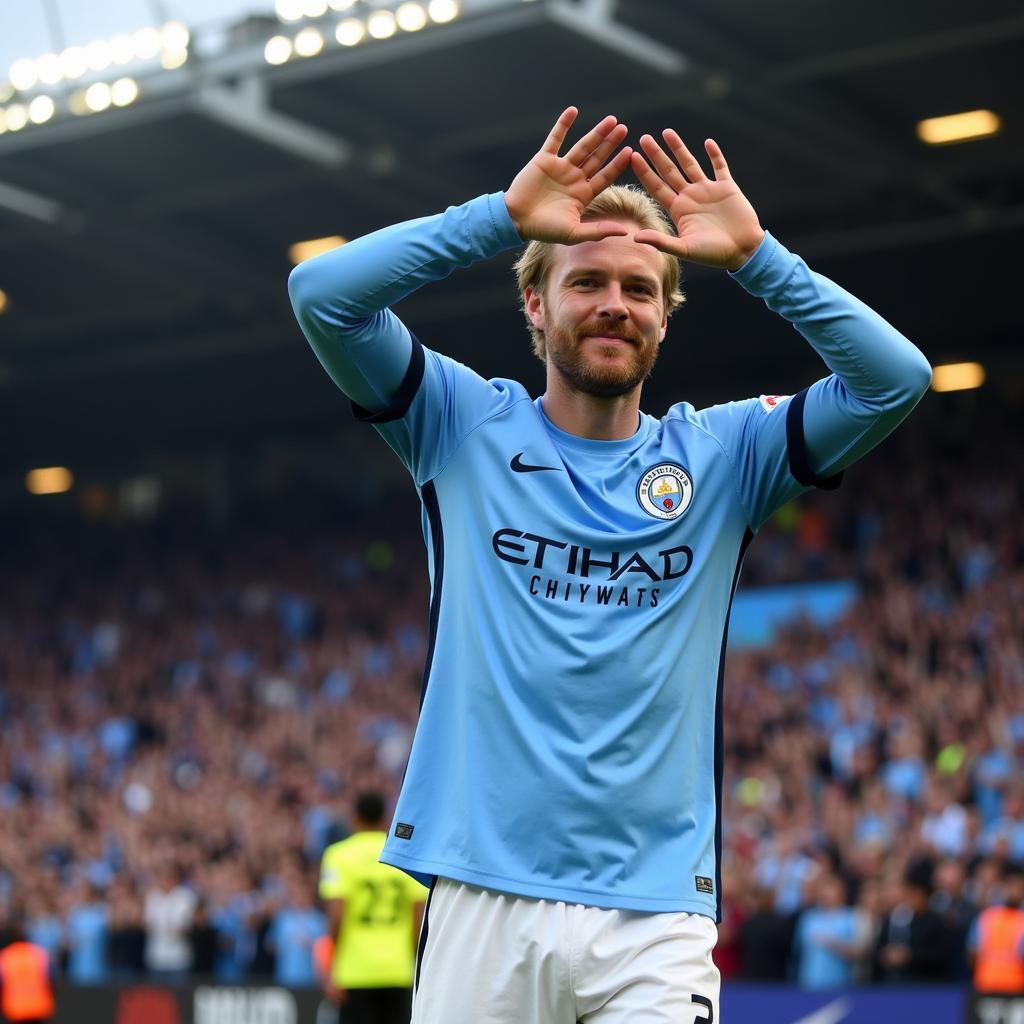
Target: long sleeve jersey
<point>570,739</point>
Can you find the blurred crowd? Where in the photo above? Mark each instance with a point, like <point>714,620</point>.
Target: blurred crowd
<point>186,714</point>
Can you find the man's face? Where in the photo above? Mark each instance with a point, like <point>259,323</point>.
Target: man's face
<point>602,313</point>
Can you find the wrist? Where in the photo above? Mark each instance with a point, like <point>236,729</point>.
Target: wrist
<point>514,215</point>
<point>746,252</point>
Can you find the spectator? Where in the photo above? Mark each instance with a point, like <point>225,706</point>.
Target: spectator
<point>88,930</point>
<point>234,915</point>
<point>204,943</point>
<point>44,928</point>
<point>26,988</point>
<point>869,911</point>
<point>913,945</point>
<point>127,936</point>
<point>996,941</point>
<point>1004,835</point>
<point>993,770</point>
<point>168,913</point>
<point>905,772</point>
<point>766,938</point>
<point>949,900</point>
<point>828,939</point>
<point>945,825</point>
<point>293,931</point>
<point>786,869</point>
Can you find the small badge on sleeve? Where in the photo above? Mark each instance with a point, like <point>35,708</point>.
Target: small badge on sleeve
<point>771,402</point>
<point>703,884</point>
<point>403,831</point>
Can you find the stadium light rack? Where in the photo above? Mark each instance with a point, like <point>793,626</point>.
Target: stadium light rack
<point>157,63</point>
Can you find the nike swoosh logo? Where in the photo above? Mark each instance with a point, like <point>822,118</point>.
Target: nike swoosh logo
<point>831,1013</point>
<point>521,467</point>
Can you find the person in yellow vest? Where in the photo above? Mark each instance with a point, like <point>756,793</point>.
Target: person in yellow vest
<point>996,941</point>
<point>374,911</point>
<point>26,992</point>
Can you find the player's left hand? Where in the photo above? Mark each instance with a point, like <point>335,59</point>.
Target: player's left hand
<point>335,993</point>
<point>716,224</point>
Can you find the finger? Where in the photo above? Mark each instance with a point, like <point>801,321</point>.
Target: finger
<point>671,244</point>
<point>687,161</point>
<point>717,160</point>
<point>557,135</point>
<point>669,172</point>
<point>579,153</point>
<point>600,181</point>
<point>655,187</point>
<point>594,231</point>
<point>598,158</point>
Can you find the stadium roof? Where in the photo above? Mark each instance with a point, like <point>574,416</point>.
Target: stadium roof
<point>144,250</point>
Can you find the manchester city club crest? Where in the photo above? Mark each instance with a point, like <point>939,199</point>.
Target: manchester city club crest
<point>665,491</point>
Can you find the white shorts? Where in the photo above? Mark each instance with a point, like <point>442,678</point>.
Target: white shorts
<point>489,957</point>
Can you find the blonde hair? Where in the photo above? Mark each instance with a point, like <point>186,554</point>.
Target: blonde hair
<point>618,202</point>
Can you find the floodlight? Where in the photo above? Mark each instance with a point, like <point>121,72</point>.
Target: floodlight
<point>146,43</point>
<point>972,124</point>
<point>288,10</point>
<point>77,104</point>
<point>174,36</point>
<point>171,59</point>
<point>16,117</point>
<point>74,62</point>
<point>443,10</point>
<point>23,73</point>
<point>381,24</point>
<point>124,91</point>
<point>277,50</point>
<point>958,377</point>
<point>122,49</point>
<point>350,31</point>
<point>98,55</point>
<point>4,302</point>
<point>52,480</point>
<point>97,97</point>
<point>411,17</point>
<point>41,109</point>
<point>308,42</point>
<point>314,247</point>
<point>48,69</point>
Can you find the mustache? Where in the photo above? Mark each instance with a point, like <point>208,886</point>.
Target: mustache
<point>608,331</point>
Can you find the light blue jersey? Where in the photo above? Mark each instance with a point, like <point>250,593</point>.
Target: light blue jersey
<point>570,740</point>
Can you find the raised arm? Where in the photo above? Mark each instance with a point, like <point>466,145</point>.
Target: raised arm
<point>878,375</point>
<point>341,298</point>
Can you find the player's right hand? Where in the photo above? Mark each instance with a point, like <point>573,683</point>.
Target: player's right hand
<point>548,196</point>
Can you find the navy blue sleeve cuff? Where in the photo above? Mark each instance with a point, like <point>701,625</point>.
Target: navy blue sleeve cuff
<point>403,396</point>
<point>796,448</point>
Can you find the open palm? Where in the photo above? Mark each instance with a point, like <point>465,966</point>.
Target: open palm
<point>715,223</point>
<point>547,198</point>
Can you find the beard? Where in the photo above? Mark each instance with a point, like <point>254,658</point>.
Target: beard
<point>566,352</point>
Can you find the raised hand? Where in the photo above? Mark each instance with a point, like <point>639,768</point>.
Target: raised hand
<point>548,196</point>
<point>716,224</point>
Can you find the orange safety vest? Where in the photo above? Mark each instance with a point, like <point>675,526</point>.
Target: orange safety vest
<point>1000,966</point>
<point>323,956</point>
<point>26,993</point>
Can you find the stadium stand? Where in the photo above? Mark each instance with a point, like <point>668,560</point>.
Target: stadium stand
<point>178,702</point>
